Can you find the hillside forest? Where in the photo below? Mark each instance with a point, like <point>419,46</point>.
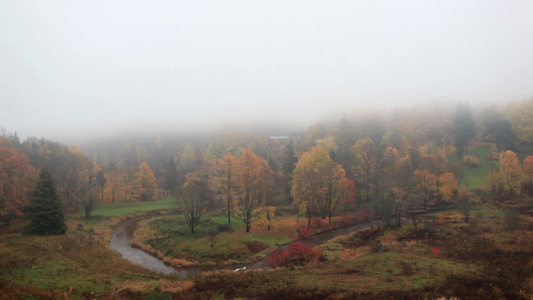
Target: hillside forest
<point>388,168</point>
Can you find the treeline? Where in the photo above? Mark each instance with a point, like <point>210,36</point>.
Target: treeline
<point>395,162</point>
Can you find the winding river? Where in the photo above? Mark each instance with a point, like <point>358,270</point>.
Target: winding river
<point>124,233</point>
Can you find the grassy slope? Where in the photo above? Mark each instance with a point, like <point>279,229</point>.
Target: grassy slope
<point>78,259</point>
<point>466,251</point>
<point>122,209</point>
<point>171,236</point>
<point>475,177</point>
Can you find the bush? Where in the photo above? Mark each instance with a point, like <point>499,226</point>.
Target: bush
<point>347,221</point>
<point>224,228</point>
<point>255,246</point>
<point>303,232</point>
<point>297,254</point>
<point>471,161</point>
<point>512,219</point>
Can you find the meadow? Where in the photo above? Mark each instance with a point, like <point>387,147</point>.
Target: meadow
<point>488,257</point>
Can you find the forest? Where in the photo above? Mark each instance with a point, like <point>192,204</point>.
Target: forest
<point>441,196</point>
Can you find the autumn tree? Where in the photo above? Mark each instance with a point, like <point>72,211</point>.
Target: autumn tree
<point>249,186</point>
<point>289,163</point>
<point>88,183</point>
<point>527,168</point>
<point>366,159</point>
<point>401,197</point>
<point>44,209</point>
<point>337,189</point>
<point>170,175</point>
<point>195,197</point>
<point>447,185</point>
<point>114,186</point>
<point>319,184</point>
<point>463,198</point>
<point>145,184</point>
<point>17,180</point>
<point>425,185</point>
<point>86,191</point>
<point>510,173</point>
<point>329,144</point>
<point>521,118</point>
<point>227,169</point>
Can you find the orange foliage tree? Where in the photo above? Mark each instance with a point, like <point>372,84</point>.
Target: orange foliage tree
<point>17,180</point>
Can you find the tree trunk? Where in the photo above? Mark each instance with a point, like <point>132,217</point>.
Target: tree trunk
<point>229,212</point>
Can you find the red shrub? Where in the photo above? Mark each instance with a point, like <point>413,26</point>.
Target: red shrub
<point>255,246</point>
<point>297,254</point>
<point>347,221</point>
<point>303,232</point>
<point>317,225</point>
<point>320,225</point>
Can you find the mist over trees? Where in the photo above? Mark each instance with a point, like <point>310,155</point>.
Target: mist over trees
<point>395,162</point>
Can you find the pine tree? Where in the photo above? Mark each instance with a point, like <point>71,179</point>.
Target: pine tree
<point>45,208</point>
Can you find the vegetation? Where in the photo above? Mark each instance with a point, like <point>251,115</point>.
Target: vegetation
<point>44,210</point>
<point>213,242</point>
<point>452,190</point>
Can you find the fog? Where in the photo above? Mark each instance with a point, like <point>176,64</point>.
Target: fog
<point>72,70</point>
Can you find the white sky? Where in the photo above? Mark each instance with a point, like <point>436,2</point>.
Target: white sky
<point>67,67</point>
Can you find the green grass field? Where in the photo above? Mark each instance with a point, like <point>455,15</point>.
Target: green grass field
<point>213,241</point>
<point>123,209</point>
<point>475,177</point>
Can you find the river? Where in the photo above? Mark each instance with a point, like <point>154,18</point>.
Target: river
<point>120,242</point>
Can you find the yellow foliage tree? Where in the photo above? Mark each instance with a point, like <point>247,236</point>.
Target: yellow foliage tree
<point>426,185</point>
<point>145,184</point>
<point>319,184</point>
<point>510,172</point>
<point>249,186</point>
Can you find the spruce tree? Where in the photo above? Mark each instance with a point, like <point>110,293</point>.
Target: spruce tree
<point>44,209</point>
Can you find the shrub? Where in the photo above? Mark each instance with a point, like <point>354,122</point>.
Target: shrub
<point>376,247</point>
<point>296,254</point>
<point>347,221</point>
<point>512,219</point>
<point>255,246</point>
<point>224,228</point>
<point>471,161</point>
<point>303,232</point>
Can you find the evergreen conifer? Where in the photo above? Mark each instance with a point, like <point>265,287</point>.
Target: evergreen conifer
<point>44,209</point>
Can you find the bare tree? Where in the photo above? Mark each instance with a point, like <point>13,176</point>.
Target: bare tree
<point>195,196</point>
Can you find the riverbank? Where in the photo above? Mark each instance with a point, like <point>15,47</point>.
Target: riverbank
<point>480,259</point>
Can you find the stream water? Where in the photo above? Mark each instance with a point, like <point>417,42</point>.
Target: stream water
<point>120,242</point>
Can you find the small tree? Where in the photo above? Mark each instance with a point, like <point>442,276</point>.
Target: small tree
<point>45,208</point>
<point>196,194</point>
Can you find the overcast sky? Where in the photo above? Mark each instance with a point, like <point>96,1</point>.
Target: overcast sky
<point>67,67</point>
